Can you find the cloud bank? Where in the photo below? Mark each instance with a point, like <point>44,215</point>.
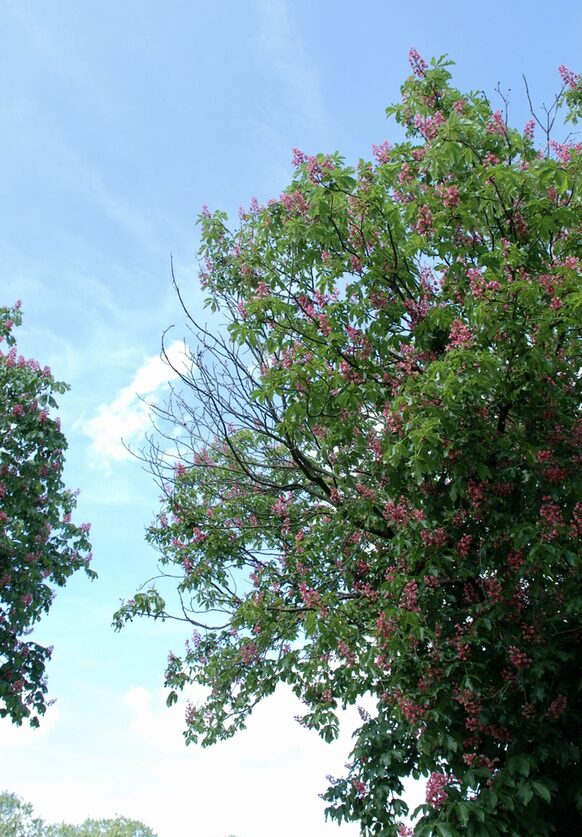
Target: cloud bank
<point>125,420</point>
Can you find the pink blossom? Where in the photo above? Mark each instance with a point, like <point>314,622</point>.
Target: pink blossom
<point>418,64</point>
<point>436,794</point>
<point>382,152</point>
<point>366,492</point>
<point>518,657</point>
<point>563,151</point>
<point>460,335</point>
<point>558,706</point>
<point>335,496</point>
<point>359,787</point>
<point>311,598</point>
<point>529,129</point>
<point>396,513</point>
<point>551,517</point>
<point>429,125</point>
<point>299,157</point>
<point>281,505</point>
<point>345,652</point>
<point>490,160</point>
<point>409,597</point>
<point>496,125</point>
<point>450,196</point>
<point>464,545</point>
<point>424,223</point>
<point>493,589</point>
<point>198,536</point>
<point>570,78</point>
<point>248,652</point>
<point>294,202</point>
<point>262,290</point>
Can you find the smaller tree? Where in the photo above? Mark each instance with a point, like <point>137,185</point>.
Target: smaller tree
<point>17,817</point>
<point>17,820</point>
<point>40,546</point>
<point>118,827</point>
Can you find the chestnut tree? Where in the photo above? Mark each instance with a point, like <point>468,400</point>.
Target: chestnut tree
<point>40,546</point>
<point>371,476</point>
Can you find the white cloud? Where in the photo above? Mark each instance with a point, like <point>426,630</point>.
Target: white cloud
<point>127,416</point>
<point>262,782</point>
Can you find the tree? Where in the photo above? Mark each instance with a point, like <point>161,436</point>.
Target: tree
<point>374,486</point>
<point>39,545</point>
<point>17,820</point>
<point>117,827</point>
<point>17,817</point>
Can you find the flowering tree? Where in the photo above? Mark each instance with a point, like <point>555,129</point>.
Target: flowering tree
<point>39,545</point>
<point>375,487</point>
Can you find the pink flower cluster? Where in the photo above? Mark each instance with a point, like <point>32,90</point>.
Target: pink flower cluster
<point>460,335</point>
<point>436,794</point>
<point>382,152</point>
<point>248,652</point>
<point>346,653</point>
<point>518,657</point>
<point>396,513</point>
<point>529,129</point>
<point>294,202</point>
<point>569,77</point>
<point>418,64</point>
<point>496,125</point>
<point>449,195</point>
<point>409,597</point>
<point>558,706</point>
<point>551,515</point>
<point>424,223</point>
<point>429,125</point>
<point>464,545</point>
<point>316,167</point>
<point>359,787</point>
<point>311,598</point>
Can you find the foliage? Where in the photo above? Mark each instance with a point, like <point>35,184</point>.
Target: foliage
<point>17,817</point>
<point>39,545</point>
<point>376,489</point>
<point>17,820</point>
<point>118,827</point>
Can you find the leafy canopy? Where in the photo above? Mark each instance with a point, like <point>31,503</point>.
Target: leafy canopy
<point>39,545</point>
<point>376,487</point>
<point>17,820</point>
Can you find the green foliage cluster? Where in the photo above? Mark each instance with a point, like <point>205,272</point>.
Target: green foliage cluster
<point>377,488</point>
<point>17,820</point>
<point>39,545</point>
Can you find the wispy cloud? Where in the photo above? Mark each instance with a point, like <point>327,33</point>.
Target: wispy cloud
<point>280,41</point>
<point>126,419</point>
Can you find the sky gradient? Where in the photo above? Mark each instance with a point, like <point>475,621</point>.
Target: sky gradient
<point>120,119</point>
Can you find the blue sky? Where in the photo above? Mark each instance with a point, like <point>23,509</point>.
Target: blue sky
<point>120,119</point>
